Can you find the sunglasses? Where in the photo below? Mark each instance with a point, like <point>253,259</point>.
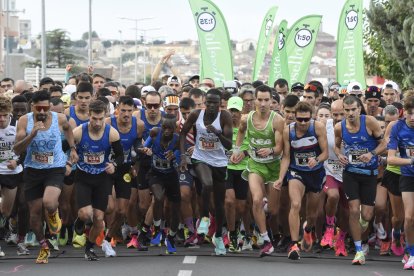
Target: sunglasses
<point>39,108</point>
<point>356,95</point>
<point>302,120</point>
<point>311,87</point>
<point>152,106</point>
<point>334,89</point>
<point>341,95</point>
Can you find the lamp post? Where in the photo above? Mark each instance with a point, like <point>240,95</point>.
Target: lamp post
<point>144,31</point>
<point>90,34</point>
<point>120,57</point>
<point>136,41</point>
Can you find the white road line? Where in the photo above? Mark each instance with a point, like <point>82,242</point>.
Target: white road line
<point>190,260</point>
<point>185,272</point>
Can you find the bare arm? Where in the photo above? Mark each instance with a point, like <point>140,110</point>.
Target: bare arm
<point>227,134</point>
<point>67,131</point>
<point>284,164</point>
<point>192,118</point>
<point>373,124</point>
<point>22,138</point>
<point>278,126</point>
<point>338,144</point>
<point>323,141</point>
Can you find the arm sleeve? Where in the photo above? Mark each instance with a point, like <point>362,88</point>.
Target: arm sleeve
<point>118,152</point>
<point>148,142</point>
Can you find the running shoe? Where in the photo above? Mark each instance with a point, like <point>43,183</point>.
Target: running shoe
<point>359,258</point>
<point>365,248</point>
<point>294,252</point>
<point>192,240</point>
<point>396,246</point>
<point>90,255</point>
<point>385,248</point>
<point>170,245</point>
<point>405,258</point>
<point>30,239</point>
<point>247,244</point>
<point>22,249</point>
<point>307,241</point>
<point>379,229</point>
<point>54,222</point>
<point>283,245</point>
<point>266,249</point>
<point>364,224</point>
<point>340,249</point>
<point>233,244</point>
<point>100,238</point>
<point>212,227</point>
<point>79,226</point>
<point>107,249</point>
<point>2,253</point>
<point>63,238</point>
<point>156,239</point>
<point>328,237</point>
<point>11,238</point>
<point>203,227</point>
<point>78,241</point>
<point>133,243</point>
<point>316,247</point>
<point>219,249</point>
<point>143,241</point>
<point>409,265</point>
<point>43,257</point>
<point>53,243</point>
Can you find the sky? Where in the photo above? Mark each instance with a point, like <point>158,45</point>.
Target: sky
<point>171,19</point>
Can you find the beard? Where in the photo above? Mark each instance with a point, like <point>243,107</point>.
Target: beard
<point>41,117</point>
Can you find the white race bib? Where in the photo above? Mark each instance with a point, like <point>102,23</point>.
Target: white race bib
<point>42,157</point>
<point>354,154</point>
<point>209,143</point>
<point>94,158</point>
<point>334,166</point>
<point>302,158</point>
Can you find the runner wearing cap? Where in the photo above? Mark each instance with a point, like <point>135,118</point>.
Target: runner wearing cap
<point>372,101</point>
<point>194,81</point>
<point>175,83</point>
<point>390,92</point>
<point>297,89</point>
<point>354,88</point>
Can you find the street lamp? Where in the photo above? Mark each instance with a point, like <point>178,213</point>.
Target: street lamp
<point>136,40</point>
<point>120,57</point>
<point>144,31</point>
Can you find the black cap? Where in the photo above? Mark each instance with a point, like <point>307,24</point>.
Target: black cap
<point>373,92</point>
<point>298,85</point>
<point>195,77</point>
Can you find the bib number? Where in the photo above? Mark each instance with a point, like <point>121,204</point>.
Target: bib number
<point>354,154</point>
<point>409,150</point>
<point>94,158</point>
<point>42,157</point>
<point>302,158</point>
<point>208,143</point>
<point>161,164</point>
<point>335,166</point>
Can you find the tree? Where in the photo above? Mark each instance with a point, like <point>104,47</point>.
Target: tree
<point>392,26</point>
<point>107,43</point>
<point>79,43</point>
<point>85,35</point>
<point>58,44</point>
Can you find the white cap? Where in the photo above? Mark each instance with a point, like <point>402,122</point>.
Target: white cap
<point>174,79</point>
<point>353,86</point>
<point>146,89</point>
<point>69,89</point>
<point>391,84</point>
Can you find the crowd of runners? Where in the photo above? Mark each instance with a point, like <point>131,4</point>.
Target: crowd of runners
<point>278,167</point>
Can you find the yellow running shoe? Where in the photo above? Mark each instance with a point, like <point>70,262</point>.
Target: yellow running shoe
<point>43,257</point>
<point>78,241</point>
<point>359,258</point>
<point>54,222</point>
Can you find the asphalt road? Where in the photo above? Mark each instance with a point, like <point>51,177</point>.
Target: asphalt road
<point>195,261</point>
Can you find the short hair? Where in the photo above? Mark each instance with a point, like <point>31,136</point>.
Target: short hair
<point>214,91</point>
<point>257,83</point>
<point>390,110</point>
<point>98,76</point>
<point>46,80</point>
<point>275,95</point>
<point>5,104</point>
<point>111,84</point>
<point>157,84</point>
<point>226,95</point>
<point>55,88</point>
<point>102,92</point>
<point>83,77</point>
<point>97,106</point>
<point>84,87</point>
<point>41,95</point>
<point>281,83</point>
<point>290,101</point>
<point>263,88</point>
<point>7,79</point>
<point>133,91</point>
<point>196,93</point>
<point>103,99</point>
<point>153,93</point>
<point>170,121</point>
<point>350,99</point>
<point>303,107</point>
<point>28,96</point>
<point>56,101</point>
<point>187,88</point>
<point>409,102</point>
<point>126,100</point>
<point>187,103</point>
<point>19,99</point>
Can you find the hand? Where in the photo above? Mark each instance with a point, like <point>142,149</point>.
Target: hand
<point>190,150</point>
<point>366,157</point>
<point>73,156</point>
<point>36,127</point>
<point>183,164</point>
<point>312,162</point>
<point>169,155</point>
<point>236,157</point>
<point>109,168</point>
<point>264,152</point>
<point>278,184</point>
<point>11,164</point>
<point>68,170</point>
<point>147,151</point>
<point>69,67</point>
<point>343,159</point>
<point>133,171</point>
<point>212,129</point>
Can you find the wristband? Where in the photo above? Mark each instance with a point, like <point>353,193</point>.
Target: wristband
<point>246,153</point>
<point>373,152</point>
<point>236,150</point>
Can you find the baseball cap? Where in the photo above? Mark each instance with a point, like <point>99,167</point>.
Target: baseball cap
<point>354,87</point>
<point>173,79</point>
<point>137,103</point>
<point>69,89</point>
<point>236,103</point>
<point>246,88</point>
<point>297,85</point>
<point>334,85</point>
<point>391,84</point>
<point>146,89</point>
<point>230,86</point>
<point>171,100</point>
<point>373,92</point>
<point>195,77</point>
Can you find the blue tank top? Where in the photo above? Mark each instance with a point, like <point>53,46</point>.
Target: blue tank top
<point>127,139</point>
<point>402,140</point>
<point>159,162</point>
<point>356,144</point>
<point>303,148</point>
<point>45,150</point>
<point>72,114</point>
<point>93,154</point>
<point>148,126</point>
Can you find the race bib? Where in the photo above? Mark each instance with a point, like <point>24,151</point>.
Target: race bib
<point>42,157</point>
<point>302,158</point>
<point>409,150</point>
<point>94,158</point>
<point>258,158</point>
<point>209,143</point>
<point>354,154</point>
<point>161,164</point>
<point>335,166</point>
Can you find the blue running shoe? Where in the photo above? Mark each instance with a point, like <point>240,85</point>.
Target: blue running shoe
<point>170,244</point>
<point>156,239</point>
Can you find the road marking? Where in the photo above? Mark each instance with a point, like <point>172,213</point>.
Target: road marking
<point>190,260</point>
<point>185,272</point>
